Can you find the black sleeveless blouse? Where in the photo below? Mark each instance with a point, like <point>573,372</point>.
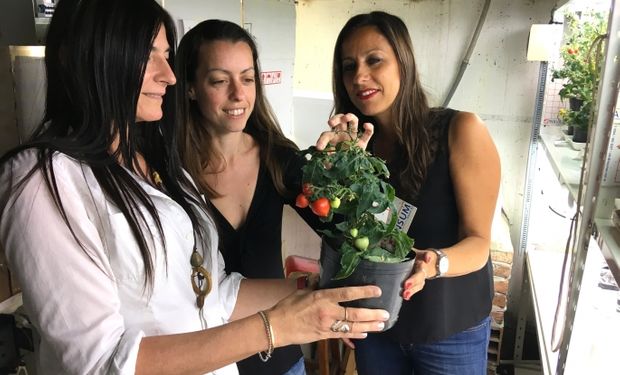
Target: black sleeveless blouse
<point>255,248</point>
<point>446,305</point>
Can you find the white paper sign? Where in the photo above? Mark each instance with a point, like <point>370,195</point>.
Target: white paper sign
<point>405,211</point>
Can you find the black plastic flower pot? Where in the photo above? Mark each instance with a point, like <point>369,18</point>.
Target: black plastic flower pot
<point>580,135</point>
<point>575,104</point>
<point>387,276</point>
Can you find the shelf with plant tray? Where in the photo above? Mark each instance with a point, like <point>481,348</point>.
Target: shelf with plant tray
<point>587,315</point>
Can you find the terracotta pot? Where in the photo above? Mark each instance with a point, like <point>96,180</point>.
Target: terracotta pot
<point>387,276</point>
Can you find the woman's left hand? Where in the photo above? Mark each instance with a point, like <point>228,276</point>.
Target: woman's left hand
<point>343,126</point>
<point>417,280</point>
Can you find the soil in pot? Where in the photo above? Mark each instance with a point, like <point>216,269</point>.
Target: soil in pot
<point>387,276</point>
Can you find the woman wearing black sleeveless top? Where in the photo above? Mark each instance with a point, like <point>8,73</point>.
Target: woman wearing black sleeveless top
<point>232,146</point>
<point>445,163</point>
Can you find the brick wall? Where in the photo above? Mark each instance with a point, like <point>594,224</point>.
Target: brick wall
<point>501,257</point>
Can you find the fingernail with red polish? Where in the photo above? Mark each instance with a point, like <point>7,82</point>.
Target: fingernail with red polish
<point>408,284</point>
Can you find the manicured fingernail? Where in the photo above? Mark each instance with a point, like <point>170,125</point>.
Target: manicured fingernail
<point>408,284</point>
<point>407,295</point>
<point>364,335</point>
<point>386,316</point>
<point>381,326</point>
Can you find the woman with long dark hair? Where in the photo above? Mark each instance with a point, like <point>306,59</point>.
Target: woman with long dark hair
<point>233,147</point>
<point>114,249</point>
<point>444,162</point>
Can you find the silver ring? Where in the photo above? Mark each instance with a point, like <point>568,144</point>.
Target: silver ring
<point>337,326</point>
<point>345,328</point>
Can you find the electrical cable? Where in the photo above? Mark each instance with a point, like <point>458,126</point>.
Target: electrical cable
<point>470,50</point>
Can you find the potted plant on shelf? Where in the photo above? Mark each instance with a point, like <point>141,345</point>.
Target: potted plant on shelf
<point>581,56</point>
<point>345,185</point>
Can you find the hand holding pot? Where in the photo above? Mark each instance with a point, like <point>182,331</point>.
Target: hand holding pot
<point>307,316</point>
<point>421,269</point>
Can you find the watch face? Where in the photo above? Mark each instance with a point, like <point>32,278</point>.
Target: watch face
<point>443,265</point>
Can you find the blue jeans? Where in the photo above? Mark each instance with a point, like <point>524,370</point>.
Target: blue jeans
<point>298,368</point>
<point>464,353</point>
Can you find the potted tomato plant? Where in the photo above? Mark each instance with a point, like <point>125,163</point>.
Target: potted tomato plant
<point>346,185</point>
<point>580,70</point>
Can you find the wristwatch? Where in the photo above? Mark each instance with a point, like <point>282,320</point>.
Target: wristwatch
<point>441,267</point>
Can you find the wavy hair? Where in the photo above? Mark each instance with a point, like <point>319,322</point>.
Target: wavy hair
<point>410,111</point>
<point>194,138</point>
<point>95,57</point>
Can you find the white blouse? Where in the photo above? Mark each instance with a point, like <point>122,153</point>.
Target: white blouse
<point>89,304</point>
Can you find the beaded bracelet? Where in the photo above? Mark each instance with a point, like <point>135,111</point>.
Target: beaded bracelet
<point>267,355</point>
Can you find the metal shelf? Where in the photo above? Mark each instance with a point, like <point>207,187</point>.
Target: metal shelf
<point>608,240</point>
<point>596,324</point>
<point>565,160</point>
<point>543,270</point>
<point>566,163</point>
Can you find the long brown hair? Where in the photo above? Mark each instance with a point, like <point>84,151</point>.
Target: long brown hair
<point>194,140</point>
<point>410,111</point>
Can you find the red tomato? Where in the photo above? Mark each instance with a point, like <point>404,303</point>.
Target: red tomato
<point>320,207</point>
<point>306,189</point>
<point>301,201</point>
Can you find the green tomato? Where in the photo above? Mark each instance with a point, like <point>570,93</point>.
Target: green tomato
<point>362,243</point>
<point>353,232</point>
<point>335,203</point>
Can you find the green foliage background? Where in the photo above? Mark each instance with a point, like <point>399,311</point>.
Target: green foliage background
<point>582,55</point>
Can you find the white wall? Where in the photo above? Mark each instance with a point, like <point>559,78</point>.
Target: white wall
<point>499,84</point>
<point>273,25</point>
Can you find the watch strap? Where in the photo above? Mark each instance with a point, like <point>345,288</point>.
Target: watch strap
<point>440,255</point>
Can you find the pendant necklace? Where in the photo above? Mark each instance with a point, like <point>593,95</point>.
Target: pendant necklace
<point>200,278</point>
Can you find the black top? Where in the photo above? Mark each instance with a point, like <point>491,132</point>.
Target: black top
<point>255,250</point>
<point>444,306</point>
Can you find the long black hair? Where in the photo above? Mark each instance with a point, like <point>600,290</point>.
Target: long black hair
<point>95,56</point>
<point>194,138</point>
